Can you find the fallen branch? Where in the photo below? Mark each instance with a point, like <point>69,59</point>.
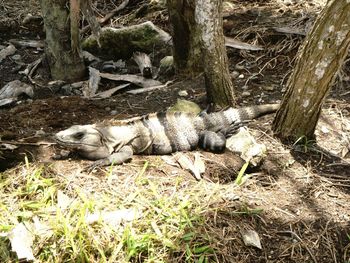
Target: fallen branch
<point>28,43</point>
<point>137,80</point>
<point>234,43</point>
<point>108,16</point>
<point>290,30</point>
<point>148,89</point>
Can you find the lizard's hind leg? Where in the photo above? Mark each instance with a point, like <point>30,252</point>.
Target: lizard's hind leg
<point>212,141</point>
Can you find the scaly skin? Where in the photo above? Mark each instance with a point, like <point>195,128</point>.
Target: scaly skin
<point>158,133</point>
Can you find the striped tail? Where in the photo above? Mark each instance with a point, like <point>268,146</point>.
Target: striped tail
<point>253,112</point>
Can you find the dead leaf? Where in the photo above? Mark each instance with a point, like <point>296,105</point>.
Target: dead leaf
<point>63,200</point>
<point>21,241</point>
<point>251,238</point>
<point>110,92</point>
<point>186,163</point>
<point>7,51</point>
<point>199,163</point>
<point>114,218</point>
<point>94,80</point>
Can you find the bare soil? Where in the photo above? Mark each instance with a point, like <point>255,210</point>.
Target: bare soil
<point>304,191</point>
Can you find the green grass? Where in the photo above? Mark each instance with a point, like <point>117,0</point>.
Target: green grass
<point>172,223</point>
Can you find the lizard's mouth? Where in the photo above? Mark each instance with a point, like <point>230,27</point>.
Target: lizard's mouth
<point>72,144</point>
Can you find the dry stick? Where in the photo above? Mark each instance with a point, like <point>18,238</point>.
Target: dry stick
<point>28,143</point>
<point>31,68</point>
<point>108,16</point>
<point>300,240</point>
<point>91,19</point>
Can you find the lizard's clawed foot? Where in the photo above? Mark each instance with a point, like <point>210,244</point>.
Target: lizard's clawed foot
<point>95,165</point>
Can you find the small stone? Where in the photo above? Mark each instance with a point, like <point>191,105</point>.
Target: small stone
<point>324,129</point>
<point>183,93</point>
<point>39,133</point>
<point>114,112</point>
<point>246,94</point>
<point>234,74</point>
<point>66,89</point>
<point>108,109</point>
<point>269,88</point>
<point>16,57</point>
<point>239,67</point>
<point>241,76</point>
<point>166,66</point>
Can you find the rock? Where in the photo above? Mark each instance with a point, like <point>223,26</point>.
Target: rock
<point>185,106</point>
<point>246,94</point>
<point>241,76</point>
<point>183,93</point>
<point>16,57</point>
<point>234,74</point>
<point>270,88</point>
<point>166,66</point>
<point>244,144</point>
<point>114,112</point>
<point>122,42</point>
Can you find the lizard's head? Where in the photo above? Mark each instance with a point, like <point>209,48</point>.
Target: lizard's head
<point>84,139</point>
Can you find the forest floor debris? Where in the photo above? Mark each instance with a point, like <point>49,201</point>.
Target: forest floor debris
<point>296,201</point>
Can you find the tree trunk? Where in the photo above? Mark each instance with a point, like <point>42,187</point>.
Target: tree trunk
<point>62,42</point>
<point>321,56</point>
<point>186,41</point>
<point>217,76</point>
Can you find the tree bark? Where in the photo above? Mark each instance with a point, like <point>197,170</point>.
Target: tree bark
<point>62,42</point>
<point>321,57</point>
<point>186,41</point>
<point>217,76</point>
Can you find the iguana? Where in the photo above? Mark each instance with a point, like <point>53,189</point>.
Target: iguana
<point>157,133</point>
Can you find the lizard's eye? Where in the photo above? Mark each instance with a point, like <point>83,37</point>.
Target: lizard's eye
<point>79,135</point>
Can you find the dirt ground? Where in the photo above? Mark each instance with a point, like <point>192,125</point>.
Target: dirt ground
<point>304,190</point>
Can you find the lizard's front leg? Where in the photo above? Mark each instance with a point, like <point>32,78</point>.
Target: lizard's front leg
<point>122,156</point>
